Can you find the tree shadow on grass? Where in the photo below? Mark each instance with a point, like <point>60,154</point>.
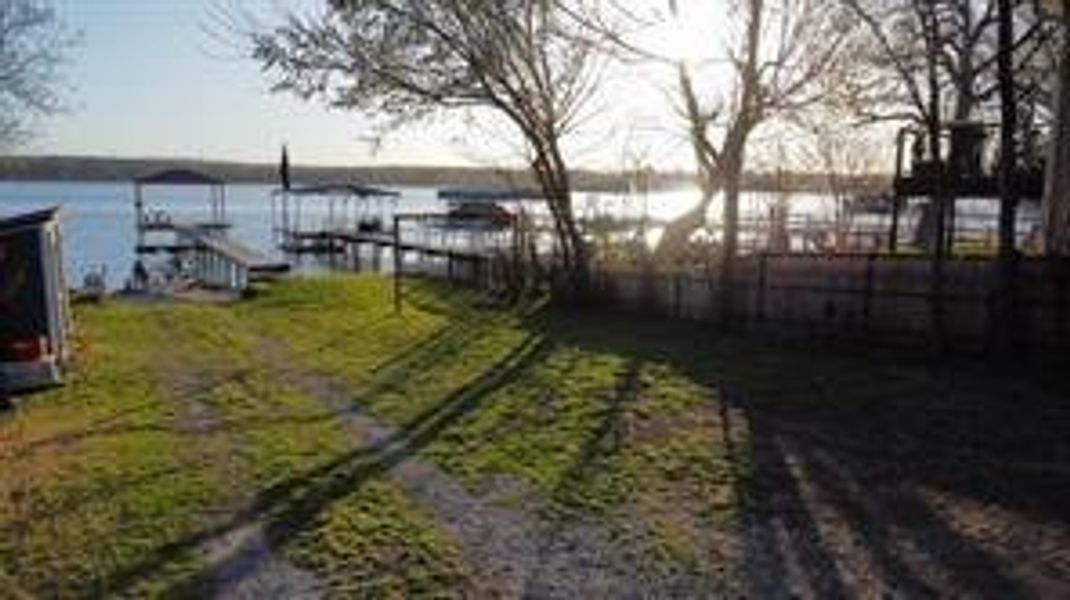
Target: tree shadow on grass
<point>290,507</point>
<point>782,543</point>
<point>604,441</point>
<point>801,451</point>
<point>831,472</point>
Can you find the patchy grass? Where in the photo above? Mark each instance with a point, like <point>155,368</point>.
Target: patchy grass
<point>375,542</point>
<point>692,447</point>
<point>94,474</point>
<point>170,423</point>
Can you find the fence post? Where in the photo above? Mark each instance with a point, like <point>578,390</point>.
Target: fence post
<point>867,298</point>
<point>1059,265</point>
<point>397,264</point>
<point>676,300</point>
<point>893,233</point>
<point>763,273</point>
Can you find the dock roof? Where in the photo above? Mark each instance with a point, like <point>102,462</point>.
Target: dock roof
<point>329,189</point>
<point>178,177</point>
<point>490,194</point>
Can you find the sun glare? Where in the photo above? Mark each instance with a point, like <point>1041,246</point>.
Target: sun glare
<point>691,35</point>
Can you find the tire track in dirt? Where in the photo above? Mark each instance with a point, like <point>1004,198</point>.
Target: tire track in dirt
<point>239,563</point>
<point>515,553</point>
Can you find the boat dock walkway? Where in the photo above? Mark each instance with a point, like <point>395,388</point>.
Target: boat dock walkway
<point>217,260</point>
<point>317,240</point>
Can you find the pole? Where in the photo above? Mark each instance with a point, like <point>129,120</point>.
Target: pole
<point>1056,203</point>
<point>397,264</point>
<point>1006,324</point>
<point>939,190</point>
<point>1008,128</point>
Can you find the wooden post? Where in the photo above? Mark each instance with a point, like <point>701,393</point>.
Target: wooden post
<point>867,298</point>
<point>1057,266</point>
<point>139,214</point>
<point>939,185</point>
<point>893,233</point>
<point>1056,204</point>
<point>676,293</point>
<point>285,220</point>
<point>1008,253</point>
<point>397,264</point>
<point>763,270</point>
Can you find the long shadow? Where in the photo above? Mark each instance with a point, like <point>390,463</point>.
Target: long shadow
<point>605,440</point>
<point>113,422</point>
<point>879,506</point>
<point>778,526</point>
<point>928,432</point>
<point>72,500</point>
<point>878,513</point>
<point>464,328</point>
<point>290,506</point>
<point>223,425</point>
<point>785,441</point>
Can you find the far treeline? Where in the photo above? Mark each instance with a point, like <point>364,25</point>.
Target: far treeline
<point>93,169</point>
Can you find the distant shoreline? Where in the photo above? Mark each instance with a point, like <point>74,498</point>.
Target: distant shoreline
<point>104,170</point>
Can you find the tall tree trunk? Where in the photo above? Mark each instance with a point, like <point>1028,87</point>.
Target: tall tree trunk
<point>1057,188</point>
<point>730,241</point>
<point>939,192</point>
<point>1007,323</point>
<point>553,177</point>
<point>1008,130</point>
<point>678,232</point>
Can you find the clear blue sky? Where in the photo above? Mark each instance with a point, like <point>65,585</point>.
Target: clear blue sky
<point>148,80</point>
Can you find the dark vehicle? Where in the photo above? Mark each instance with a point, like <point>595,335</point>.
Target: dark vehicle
<point>34,307</point>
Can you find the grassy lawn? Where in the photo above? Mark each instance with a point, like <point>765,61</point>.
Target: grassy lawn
<point>691,456</point>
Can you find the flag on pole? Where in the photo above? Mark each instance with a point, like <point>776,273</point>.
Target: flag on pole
<point>284,169</point>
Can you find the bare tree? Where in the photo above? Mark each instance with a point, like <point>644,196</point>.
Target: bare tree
<point>784,49</point>
<point>522,59</point>
<point>33,46</point>
<point>935,61</point>
<point>960,37</point>
<point>849,162</point>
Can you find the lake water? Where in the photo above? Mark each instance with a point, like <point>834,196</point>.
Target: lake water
<point>98,218</point>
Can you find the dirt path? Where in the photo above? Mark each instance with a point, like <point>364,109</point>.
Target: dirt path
<point>245,567</point>
<point>239,563</point>
<point>514,553</point>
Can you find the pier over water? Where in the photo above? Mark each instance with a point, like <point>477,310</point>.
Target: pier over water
<point>201,250</point>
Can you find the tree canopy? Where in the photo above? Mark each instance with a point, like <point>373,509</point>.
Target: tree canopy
<point>523,59</point>
<point>33,45</point>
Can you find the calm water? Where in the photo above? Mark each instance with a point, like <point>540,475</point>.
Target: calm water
<point>98,218</point>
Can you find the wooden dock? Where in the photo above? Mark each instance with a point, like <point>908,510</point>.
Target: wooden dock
<point>217,260</point>
<point>319,239</point>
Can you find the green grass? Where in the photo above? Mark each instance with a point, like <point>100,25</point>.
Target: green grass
<point>170,421</point>
<point>95,472</point>
<point>179,416</point>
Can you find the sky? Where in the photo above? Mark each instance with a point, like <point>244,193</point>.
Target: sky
<point>148,80</point>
